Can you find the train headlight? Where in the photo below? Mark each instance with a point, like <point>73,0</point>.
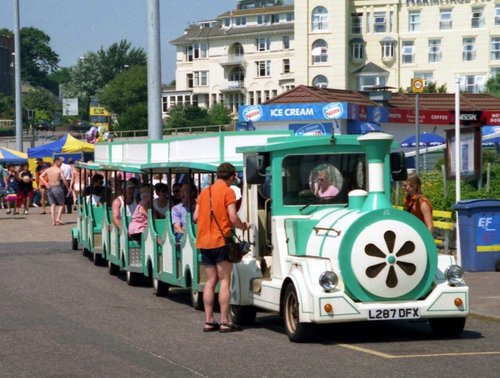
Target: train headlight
<point>328,280</point>
<point>454,274</point>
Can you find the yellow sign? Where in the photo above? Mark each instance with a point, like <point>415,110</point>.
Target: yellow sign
<point>94,111</point>
<point>417,85</point>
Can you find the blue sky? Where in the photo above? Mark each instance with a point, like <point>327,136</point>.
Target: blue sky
<point>78,26</point>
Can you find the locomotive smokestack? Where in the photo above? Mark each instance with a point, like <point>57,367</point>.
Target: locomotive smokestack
<point>376,147</point>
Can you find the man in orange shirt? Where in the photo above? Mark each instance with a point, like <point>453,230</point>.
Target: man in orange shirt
<point>217,199</point>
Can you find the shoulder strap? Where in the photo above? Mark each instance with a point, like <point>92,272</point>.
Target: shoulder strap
<point>212,215</point>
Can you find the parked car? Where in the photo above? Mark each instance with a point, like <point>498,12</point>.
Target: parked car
<point>82,126</point>
<point>45,125</point>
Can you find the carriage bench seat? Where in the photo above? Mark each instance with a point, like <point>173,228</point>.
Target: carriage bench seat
<point>133,244</point>
<point>97,229</point>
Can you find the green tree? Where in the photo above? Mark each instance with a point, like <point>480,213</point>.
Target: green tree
<point>118,57</point>
<point>187,116</point>
<point>493,86</point>
<point>42,101</point>
<point>219,114</point>
<point>127,96</point>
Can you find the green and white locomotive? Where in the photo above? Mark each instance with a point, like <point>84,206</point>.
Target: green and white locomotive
<point>327,244</point>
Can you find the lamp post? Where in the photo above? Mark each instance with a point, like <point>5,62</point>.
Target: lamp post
<point>17,78</point>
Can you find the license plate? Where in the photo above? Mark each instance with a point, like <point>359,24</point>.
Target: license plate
<point>394,313</point>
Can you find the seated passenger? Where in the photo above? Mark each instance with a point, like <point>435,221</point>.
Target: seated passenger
<point>118,202</point>
<point>179,211</point>
<point>139,220</point>
<point>323,186</point>
<point>160,204</point>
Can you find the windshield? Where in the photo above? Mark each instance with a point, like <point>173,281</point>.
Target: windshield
<point>322,178</point>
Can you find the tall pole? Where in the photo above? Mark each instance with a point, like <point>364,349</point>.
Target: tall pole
<point>457,141</point>
<point>155,129</point>
<point>417,135</point>
<point>17,78</point>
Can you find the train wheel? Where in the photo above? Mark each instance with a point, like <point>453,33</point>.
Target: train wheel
<point>296,331</point>
<point>74,242</point>
<point>113,269</point>
<point>243,315</point>
<point>447,327</point>
<point>160,288</point>
<point>85,252</point>
<point>133,279</point>
<point>98,260</point>
<point>197,299</point>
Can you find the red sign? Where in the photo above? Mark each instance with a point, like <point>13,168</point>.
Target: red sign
<point>430,117</point>
<point>491,117</point>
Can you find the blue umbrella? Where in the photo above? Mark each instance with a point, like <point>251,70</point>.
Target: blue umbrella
<point>425,140</point>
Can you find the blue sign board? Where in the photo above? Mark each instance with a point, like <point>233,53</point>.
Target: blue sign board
<point>315,128</point>
<point>312,112</point>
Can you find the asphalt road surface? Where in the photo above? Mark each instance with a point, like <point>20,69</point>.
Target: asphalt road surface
<point>62,316</point>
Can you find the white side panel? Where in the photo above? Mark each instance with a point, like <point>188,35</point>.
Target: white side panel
<point>136,153</point>
<point>197,150</point>
<point>159,152</point>
<point>242,140</point>
<point>101,153</point>
<point>117,153</point>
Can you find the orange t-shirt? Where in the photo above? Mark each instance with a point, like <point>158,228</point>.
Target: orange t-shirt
<point>208,235</point>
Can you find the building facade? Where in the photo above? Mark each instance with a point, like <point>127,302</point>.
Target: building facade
<point>244,56</point>
<point>359,44</point>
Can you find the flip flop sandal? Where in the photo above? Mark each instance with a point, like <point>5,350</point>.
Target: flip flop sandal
<point>229,327</point>
<point>211,327</point>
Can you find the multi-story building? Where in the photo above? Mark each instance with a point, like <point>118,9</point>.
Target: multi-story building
<point>244,56</point>
<point>264,48</point>
<point>358,44</point>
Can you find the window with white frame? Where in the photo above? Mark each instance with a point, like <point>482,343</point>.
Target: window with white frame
<point>497,14</point>
<point>263,44</point>
<point>200,50</point>
<point>189,80</point>
<point>286,65</point>
<point>240,21</point>
<point>237,49</point>
<point>368,81</point>
<point>286,42</point>
<point>251,98</point>
<point>434,50</point>
<point>495,71</point>
<point>267,95</point>
<point>237,74</point>
<point>388,49</point>
<point>189,53</point>
<point>259,97</point>
<point>469,49</point>
<point>275,18</point>
<point>227,22</point>
<point>200,78</point>
<point>408,52</point>
<point>320,81</point>
<point>445,19</point>
<point>319,19</point>
<point>367,22</point>
<point>274,93</point>
<point>477,17</point>
<point>391,21</point>
<point>357,50</point>
<point>471,83</point>
<point>290,17</point>
<point>357,23</point>
<point>263,68</point>
<point>263,19</point>
<point>414,21</point>
<point>379,22</point>
<point>495,48</point>
<point>427,77</point>
<point>319,52</point>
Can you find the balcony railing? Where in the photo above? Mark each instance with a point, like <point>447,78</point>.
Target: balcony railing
<point>232,60</point>
<point>232,86</point>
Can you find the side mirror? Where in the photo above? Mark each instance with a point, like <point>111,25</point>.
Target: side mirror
<point>398,166</point>
<point>254,169</point>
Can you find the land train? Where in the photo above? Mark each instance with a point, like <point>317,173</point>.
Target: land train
<point>316,258</point>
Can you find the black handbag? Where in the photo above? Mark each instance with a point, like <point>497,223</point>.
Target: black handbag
<point>236,249</point>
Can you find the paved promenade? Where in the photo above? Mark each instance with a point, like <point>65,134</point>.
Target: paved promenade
<point>484,286</point>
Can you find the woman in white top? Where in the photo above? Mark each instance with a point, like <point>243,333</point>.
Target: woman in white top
<point>160,204</point>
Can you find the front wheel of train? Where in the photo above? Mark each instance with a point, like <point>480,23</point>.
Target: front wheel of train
<point>74,242</point>
<point>447,327</point>
<point>297,332</point>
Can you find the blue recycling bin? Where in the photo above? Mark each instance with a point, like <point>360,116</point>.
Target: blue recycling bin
<point>479,226</point>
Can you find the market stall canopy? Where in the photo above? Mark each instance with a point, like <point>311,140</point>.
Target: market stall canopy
<point>8,156</point>
<point>425,140</point>
<point>66,144</point>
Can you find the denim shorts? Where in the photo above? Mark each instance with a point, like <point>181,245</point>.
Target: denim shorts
<point>211,257</point>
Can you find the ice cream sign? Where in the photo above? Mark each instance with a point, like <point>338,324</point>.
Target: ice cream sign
<point>293,112</point>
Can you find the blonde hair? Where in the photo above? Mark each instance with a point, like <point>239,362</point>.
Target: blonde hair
<point>414,180</point>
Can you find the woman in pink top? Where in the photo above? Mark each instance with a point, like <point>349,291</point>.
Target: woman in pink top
<point>139,220</point>
<point>323,186</point>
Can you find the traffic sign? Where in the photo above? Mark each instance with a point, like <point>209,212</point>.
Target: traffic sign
<point>70,106</point>
<point>417,85</point>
